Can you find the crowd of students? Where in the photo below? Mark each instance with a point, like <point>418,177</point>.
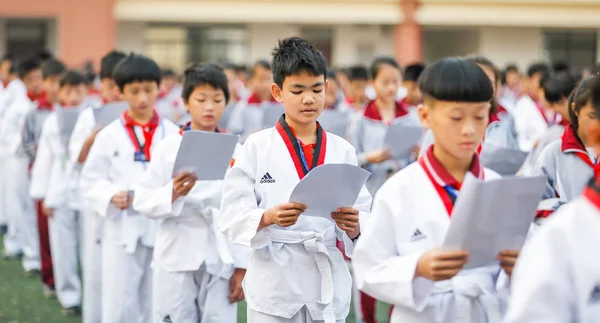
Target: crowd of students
<point>157,247</point>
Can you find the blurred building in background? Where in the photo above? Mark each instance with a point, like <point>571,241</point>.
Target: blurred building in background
<point>175,32</point>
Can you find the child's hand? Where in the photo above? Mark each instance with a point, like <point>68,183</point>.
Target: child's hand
<point>379,156</point>
<point>507,260</point>
<point>46,211</point>
<point>121,200</point>
<point>346,219</point>
<point>236,292</point>
<point>283,215</point>
<point>183,184</point>
<point>92,137</point>
<point>437,264</point>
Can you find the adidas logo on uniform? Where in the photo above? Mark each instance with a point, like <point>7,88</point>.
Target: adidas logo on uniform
<point>417,235</point>
<point>267,179</point>
<point>595,295</point>
<point>167,319</point>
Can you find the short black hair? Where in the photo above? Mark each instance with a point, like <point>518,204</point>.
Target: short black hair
<point>596,95</point>
<point>53,67</point>
<point>559,87</point>
<point>511,68</point>
<point>383,60</point>
<point>331,74</point>
<point>72,77</point>
<point>27,66</point>
<point>108,63</point>
<point>45,55</point>
<point>358,73</point>
<point>136,68</point>
<point>413,71</point>
<point>6,57</point>
<point>585,91</point>
<point>295,55</point>
<point>561,66</point>
<point>456,80</point>
<point>204,74</point>
<point>90,77</point>
<point>261,63</point>
<point>167,72</point>
<point>538,68</point>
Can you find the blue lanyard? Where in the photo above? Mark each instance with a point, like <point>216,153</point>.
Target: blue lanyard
<point>302,157</point>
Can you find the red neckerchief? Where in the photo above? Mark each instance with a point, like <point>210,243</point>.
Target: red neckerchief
<point>592,192</point>
<point>441,179</point>
<point>295,150</point>
<point>572,144</point>
<point>105,101</point>
<point>564,122</point>
<point>34,97</point>
<point>148,130</point>
<point>349,100</point>
<point>93,91</point>
<point>501,109</point>
<point>372,111</point>
<point>255,99</point>
<point>5,84</point>
<point>162,94</point>
<point>543,114</point>
<point>43,104</point>
<point>493,118</point>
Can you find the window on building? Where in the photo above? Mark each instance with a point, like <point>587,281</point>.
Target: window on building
<point>24,37</point>
<point>321,38</point>
<point>177,46</point>
<point>577,48</point>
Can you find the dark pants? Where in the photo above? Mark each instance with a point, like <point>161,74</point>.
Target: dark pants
<point>45,256</point>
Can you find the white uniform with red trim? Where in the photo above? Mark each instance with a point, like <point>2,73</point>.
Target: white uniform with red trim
<point>411,217</point>
<point>557,277</point>
<point>128,237</point>
<point>531,121</point>
<point>193,261</point>
<point>295,274</point>
<point>567,166</point>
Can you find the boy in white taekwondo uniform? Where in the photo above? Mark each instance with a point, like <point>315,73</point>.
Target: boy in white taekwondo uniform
<point>295,272</point>
<point>532,117</point>
<point>81,142</point>
<point>5,77</point>
<point>117,160</point>
<point>557,277</point>
<point>397,259</point>
<point>206,285</point>
<point>22,224</point>
<point>49,182</point>
<point>568,162</point>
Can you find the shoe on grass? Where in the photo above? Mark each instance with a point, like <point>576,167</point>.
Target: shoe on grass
<point>32,273</point>
<point>48,291</point>
<point>71,311</point>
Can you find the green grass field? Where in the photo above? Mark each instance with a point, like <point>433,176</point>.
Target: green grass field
<point>21,299</point>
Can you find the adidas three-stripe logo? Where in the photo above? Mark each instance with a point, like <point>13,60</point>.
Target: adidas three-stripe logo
<point>417,235</point>
<point>267,179</point>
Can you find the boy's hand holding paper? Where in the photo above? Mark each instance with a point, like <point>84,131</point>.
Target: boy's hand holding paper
<point>437,264</point>
<point>283,215</point>
<point>183,184</point>
<point>346,219</point>
<point>121,200</point>
<point>331,188</point>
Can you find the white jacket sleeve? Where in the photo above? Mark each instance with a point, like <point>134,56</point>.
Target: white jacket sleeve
<point>96,185</point>
<point>240,214</point>
<point>81,132</point>
<point>380,270</point>
<point>42,166</point>
<point>541,287</point>
<point>154,192</point>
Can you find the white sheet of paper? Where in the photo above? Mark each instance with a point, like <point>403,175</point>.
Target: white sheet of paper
<point>504,161</point>
<point>271,114</point>
<point>335,122</point>
<point>206,154</point>
<point>328,187</point>
<point>491,216</point>
<point>109,112</point>
<point>66,122</point>
<point>402,137</point>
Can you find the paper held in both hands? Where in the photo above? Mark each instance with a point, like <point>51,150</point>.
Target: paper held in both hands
<point>109,112</point>
<point>401,138</point>
<point>504,161</point>
<point>492,216</point>
<point>328,187</point>
<point>206,154</point>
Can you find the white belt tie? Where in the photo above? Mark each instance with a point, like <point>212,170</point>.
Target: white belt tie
<point>473,287</point>
<point>316,243</point>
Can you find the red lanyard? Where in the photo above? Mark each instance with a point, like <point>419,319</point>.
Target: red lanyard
<point>441,190</point>
<point>586,158</point>
<point>142,151</point>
